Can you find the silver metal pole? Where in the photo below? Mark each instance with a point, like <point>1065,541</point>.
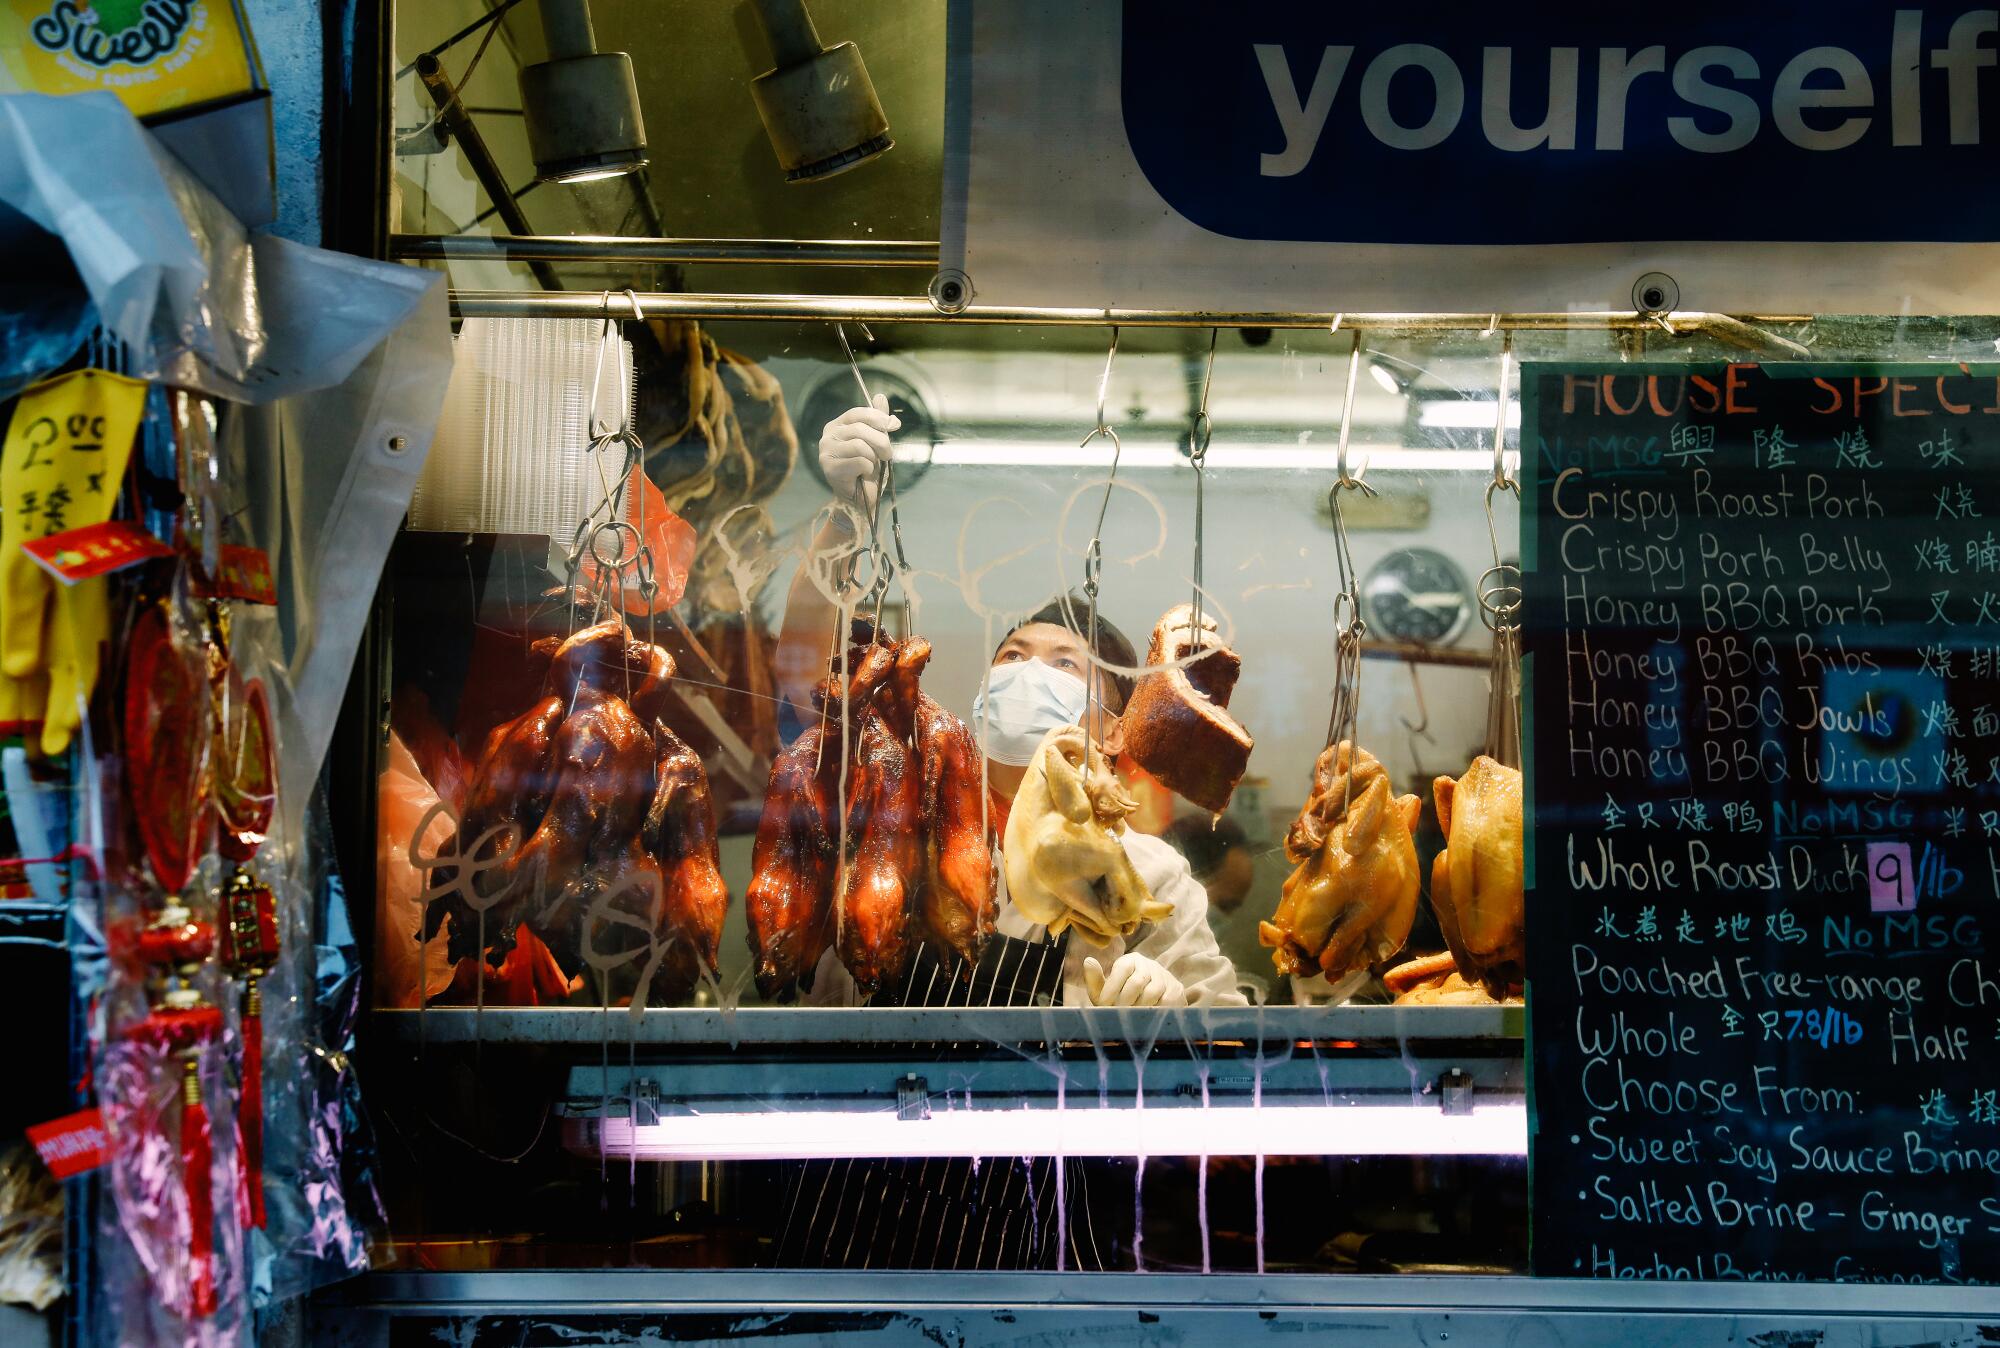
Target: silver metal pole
<point>917,309</point>
<point>615,248</point>
<point>452,112</point>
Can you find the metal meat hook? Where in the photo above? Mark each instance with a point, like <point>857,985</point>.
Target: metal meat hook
<point>1093,556</point>
<point>1200,429</point>
<point>840,331</point>
<point>1346,477</point>
<point>1500,584</point>
<point>888,568</point>
<point>597,373</point>
<point>1422,727</point>
<point>1346,713</point>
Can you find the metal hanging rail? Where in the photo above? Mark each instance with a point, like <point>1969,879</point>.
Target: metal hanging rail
<point>919,309</point>
<point>615,248</point>
<point>996,1026</point>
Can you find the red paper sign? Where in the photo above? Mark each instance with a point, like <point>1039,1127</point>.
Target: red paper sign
<point>671,540</point>
<point>243,573</point>
<point>95,550</point>
<point>71,1145</point>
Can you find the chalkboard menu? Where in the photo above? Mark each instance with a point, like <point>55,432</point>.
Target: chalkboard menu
<point>1762,636</point>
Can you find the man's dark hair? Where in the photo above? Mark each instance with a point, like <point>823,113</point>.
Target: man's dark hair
<point>1111,649</point>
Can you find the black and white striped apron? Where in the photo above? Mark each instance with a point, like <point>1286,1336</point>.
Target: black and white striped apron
<point>947,1212</point>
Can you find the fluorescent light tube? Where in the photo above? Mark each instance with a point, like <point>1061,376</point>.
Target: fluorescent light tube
<point>1471,414</point>
<point>1175,1130</point>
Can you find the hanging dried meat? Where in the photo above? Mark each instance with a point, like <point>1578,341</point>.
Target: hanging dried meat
<point>1066,866</point>
<point>589,823</point>
<point>917,865</point>
<point>789,903</point>
<point>883,869</point>
<point>719,443</point>
<point>1476,881</point>
<point>1177,722</point>
<point>1353,897</point>
<point>795,867</point>
<point>957,900</point>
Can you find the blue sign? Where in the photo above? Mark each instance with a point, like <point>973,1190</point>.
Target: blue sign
<point>1568,121</point>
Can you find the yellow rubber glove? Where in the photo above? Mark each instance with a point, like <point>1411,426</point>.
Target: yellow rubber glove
<point>79,624</point>
<point>61,468</point>
<point>22,704</point>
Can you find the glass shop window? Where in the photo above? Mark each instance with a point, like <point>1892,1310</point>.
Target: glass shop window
<point>1114,808</point>
<point>615,791</point>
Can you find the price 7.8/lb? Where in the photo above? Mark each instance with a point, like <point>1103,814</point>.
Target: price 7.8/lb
<point>1829,1027</point>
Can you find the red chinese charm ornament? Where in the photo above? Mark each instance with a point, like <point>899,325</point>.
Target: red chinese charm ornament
<point>163,703</point>
<point>249,949</point>
<point>243,776</point>
<point>182,1022</point>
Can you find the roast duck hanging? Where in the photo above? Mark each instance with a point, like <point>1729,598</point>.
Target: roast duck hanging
<point>1476,881</point>
<point>873,838</point>
<point>1177,722</point>
<point>589,822</point>
<point>1066,866</point>
<point>1353,896</point>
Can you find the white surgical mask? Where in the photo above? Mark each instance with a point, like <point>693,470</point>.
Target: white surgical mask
<point>1022,702</point>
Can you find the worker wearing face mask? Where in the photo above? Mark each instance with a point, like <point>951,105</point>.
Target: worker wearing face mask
<point>1036,684</point>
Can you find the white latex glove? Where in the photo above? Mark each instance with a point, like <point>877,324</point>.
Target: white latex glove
<point>1133,980</point>
<point>853,448</point>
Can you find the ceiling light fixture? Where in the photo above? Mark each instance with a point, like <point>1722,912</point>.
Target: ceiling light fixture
<point>1471,414</point>
<point>1392,380</point>
<point>581,105</point>
<point>818,105</point>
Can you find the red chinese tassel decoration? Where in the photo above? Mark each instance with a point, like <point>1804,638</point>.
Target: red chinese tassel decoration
<point>249,949</point>
<point>197,1177</point>
<point>245,794</point>
<point>253,1097</point>
<point>181,1023</point>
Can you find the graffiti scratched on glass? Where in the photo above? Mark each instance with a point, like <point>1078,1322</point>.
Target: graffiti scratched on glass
<point>495,851</point>
<point>851,575</point>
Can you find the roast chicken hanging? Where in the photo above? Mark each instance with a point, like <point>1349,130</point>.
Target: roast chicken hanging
<point>1065,864</point>
<point>1476,881</point>
<point>590,822</point>
<point>1351,901</point>
<point>1177,724</point>
<point>1434,980</point>
<point>916,866</point>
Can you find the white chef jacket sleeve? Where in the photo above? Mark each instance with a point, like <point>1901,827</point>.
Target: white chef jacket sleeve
<point>1181,941</point>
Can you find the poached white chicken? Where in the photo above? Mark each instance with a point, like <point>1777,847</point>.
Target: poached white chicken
<point>1476,882</point>
<point>1353,897</point>
<point>1065,864</point>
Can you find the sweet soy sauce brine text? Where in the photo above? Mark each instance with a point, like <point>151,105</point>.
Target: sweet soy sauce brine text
<point>1763,642</point>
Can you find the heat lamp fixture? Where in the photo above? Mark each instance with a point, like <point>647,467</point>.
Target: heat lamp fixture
<point>818,105</point>
<point>581,105</point>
